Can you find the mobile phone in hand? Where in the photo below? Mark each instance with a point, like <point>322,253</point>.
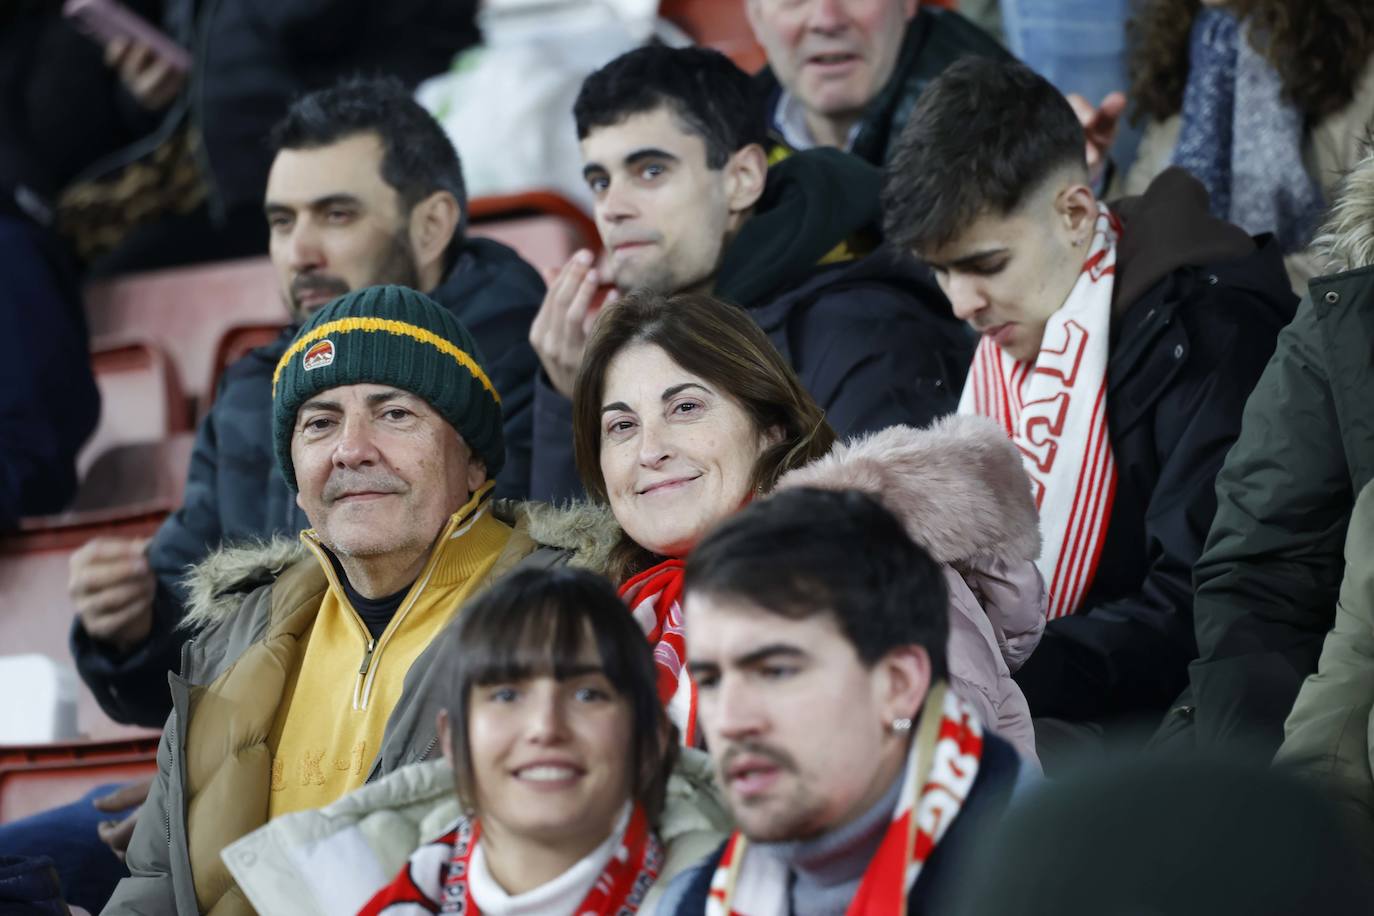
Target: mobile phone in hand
<point>106,20</point>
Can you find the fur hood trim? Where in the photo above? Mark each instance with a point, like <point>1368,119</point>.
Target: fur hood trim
<point>1347,238</point>
<point>587,530</point>
<point>958,486</point>
<point>216,586</point>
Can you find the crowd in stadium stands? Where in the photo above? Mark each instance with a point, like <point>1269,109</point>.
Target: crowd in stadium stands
<point>923,502</point>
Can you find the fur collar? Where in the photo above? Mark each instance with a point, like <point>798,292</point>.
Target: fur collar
<point>958,486</point>
<point>217,585</point>
<point>1347,238</point>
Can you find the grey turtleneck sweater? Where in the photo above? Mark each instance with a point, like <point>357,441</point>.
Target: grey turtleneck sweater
<point>825,871</point>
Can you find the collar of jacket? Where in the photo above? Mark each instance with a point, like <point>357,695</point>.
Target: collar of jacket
<point>813,202</point>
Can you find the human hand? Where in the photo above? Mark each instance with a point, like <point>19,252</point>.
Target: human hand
<point>112,586</point>
<point>560,330</point>
<point>150,79</point>
<point>1100,127</point>
<point>116,834</point>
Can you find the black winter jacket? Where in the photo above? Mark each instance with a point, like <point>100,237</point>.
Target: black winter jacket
<point>235,493</point>
<point>1197,309</point>
<point>935,38</point>
<point>872,339</point>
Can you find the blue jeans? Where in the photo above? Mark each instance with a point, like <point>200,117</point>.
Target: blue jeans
<point>1080,46</point>
<point>87,867</point>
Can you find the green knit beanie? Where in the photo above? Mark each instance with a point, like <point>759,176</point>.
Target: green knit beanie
<point>390,335</point>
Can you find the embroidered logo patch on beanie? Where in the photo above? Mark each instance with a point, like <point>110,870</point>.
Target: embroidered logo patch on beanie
<point>319,356</point>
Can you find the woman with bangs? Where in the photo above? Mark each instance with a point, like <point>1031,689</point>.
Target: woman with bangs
<point>553,796</point>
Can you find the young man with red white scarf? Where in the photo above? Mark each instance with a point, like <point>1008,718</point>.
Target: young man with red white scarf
<point>1119,344</point>
<point>858,780</point>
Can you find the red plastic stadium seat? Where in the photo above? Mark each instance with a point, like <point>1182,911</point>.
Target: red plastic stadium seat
<point>719,24</point>
<point>141,398</point>
<point>34,778</point>
<point>233,346</point>
<point>185,311</point>
<point>35,611</point>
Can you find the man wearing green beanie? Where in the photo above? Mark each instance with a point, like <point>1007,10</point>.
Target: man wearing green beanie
<point>310,670</point>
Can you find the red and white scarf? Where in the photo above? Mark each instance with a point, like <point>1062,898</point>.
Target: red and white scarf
<point>941,767</point>
<point>655,599</point>
<point>1055,410</point>
<point>436,879</point>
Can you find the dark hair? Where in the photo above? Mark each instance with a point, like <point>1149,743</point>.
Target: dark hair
<point>708,94</point>
<point>721,344</point>
<point>984,134</point>
<point>806,552</point>
<point>417,156</point>
<point>1319,48</point>
<point>536,622</point>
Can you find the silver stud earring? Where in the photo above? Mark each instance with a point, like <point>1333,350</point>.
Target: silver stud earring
<point>901,725</point>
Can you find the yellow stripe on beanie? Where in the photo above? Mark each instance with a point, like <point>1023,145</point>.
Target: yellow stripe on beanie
<point>385,326</point>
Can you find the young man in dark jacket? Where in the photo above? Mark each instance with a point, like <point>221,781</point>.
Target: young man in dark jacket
<point>1119,346</point>
<point>673,151</point>
<point>858,780</point>
<point>365,189</point>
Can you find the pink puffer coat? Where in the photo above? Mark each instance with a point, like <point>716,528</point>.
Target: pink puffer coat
<point>959,488</point>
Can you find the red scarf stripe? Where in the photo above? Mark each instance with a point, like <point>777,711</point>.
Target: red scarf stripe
<point>1089,520</point>
<point>1066,592</point>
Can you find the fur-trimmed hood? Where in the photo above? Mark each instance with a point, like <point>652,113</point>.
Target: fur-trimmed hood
<point>958,487</point>
<point>1346,239</point>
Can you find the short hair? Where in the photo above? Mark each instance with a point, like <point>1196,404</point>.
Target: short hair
<point>418,158</point>
<point>709,95</point>
<point>984,134</point>
<point>805,552</point>
<point>724,346</point>
<point>537,622</point>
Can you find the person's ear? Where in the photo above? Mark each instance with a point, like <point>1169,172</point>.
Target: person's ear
<point>433,221</point>
<point>746,173</point>
<point>444,730</point>
<point>477,473</point>
<point>903,680</point>
<point>1076,209</point>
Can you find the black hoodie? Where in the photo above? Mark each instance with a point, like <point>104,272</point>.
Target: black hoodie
<point>872,338</point>
<point>1196,311</point>
<point>234,491</point>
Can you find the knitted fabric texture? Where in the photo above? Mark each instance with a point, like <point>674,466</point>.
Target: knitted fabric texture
<point>390,335</point>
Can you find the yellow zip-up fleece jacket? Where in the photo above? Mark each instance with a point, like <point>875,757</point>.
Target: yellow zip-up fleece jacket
<point>341,693</point>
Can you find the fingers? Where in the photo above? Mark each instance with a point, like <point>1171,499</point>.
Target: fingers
<point>115,49</point>
<point>104,562</point>
<point>577,309</point>
<point>1113,104</point>
<point>1082,108</point>
<point>126,796</point>
<point>116,834</point>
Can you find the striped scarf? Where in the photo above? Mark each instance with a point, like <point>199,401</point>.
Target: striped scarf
<point>655,599</point>
<point>1055,410</point>
<point>941,768</point>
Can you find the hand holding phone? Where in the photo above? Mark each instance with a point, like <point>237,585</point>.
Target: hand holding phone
<point>151,65</point>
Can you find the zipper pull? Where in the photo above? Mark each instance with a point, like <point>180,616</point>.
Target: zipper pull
<point>367,657</point>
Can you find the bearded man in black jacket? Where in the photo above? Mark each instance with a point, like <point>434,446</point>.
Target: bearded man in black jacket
<point>674,151</point>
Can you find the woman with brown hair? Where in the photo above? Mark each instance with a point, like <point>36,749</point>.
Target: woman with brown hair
<point>684,412</point>
<point>1268,102</point>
